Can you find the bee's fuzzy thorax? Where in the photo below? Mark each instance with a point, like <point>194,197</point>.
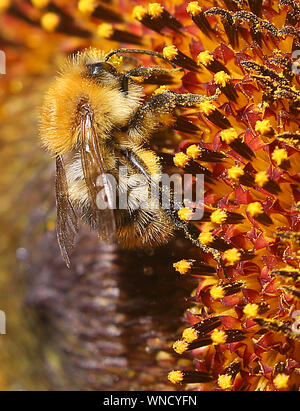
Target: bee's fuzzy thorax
<point>109,107</point>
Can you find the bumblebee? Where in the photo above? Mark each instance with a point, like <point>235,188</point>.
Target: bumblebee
<point>95,119</point>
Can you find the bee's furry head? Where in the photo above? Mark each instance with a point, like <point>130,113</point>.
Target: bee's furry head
<point>99,90</point>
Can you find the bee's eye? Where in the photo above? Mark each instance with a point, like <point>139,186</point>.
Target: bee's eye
<point>96,69</point>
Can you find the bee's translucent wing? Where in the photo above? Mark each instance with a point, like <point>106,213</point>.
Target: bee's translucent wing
<point>66,225</point>
<point>99,186</point>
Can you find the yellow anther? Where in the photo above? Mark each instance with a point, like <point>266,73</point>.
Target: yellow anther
<point>155,9</point>
<point>279,155</point>
<point>183,266</point>
<point>40,4</point>
<point>175,377</point>
<point>221,78</point>
<point>185,214</point>
<point>261,178</point>
<point>251,310</point>
<point>105,30</point>
<point>204,58</point>
<point>232,256</point>
<point>205,238</point>
<point>281,381</point>
<point>193,8</point>
<point>218,216</point>
<point>206,107</point>
<point>264,127</point>
<point>193,151</point>
<point>180,346</point>
<point>235,172</point>
<point>170,52</point>
<point>87,6</point>
<point>225,381</point>
<point>50,21</point>
<point>217,292</point>
<point>189,334</point>
<point>180,159</point>
<point>139,12</point>
<point>218,336</point>
<point>229,135</point>
<point>255,209</point>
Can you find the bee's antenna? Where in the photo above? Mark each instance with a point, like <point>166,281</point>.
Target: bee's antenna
<point>139,51</point>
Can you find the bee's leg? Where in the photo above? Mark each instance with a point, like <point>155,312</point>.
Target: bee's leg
<point>150,75</point>
<point>148,117</point>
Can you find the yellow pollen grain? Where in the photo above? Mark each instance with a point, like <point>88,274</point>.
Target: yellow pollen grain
<point>255,209</point>
<point>279,155</point>
<point>180,346</point>
<point>183,266</point>
<point>175,377</point>
<point>105,30</point>
<point>115,60</point>
<point>180,160</point>
<point>155,9</point>
<point>206,107</point>
<point>87,6</point>
<point>40,4</point>
<point>190,335</point>
<point>217,292</point>
<point>185,214</point>
<point>4,4</point>
<point>139,12</point>
<point>263,127</point>
<point>229,135</point>
<point>50,21</point>
<point>160,90</point>
<point>235,172</point>
<point>232,256</point>
<point>170,52</point>
<point>204,58</point>
<point>218,336</point>
<point>193,8</point>
<point>261,178</point>
<point>221,78</point>
<point>218,216</point>
<point>225,381</point>
<point>205,238</point>
<point>193,151</point>
<point>281,381</point>
<point>251,310</point>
